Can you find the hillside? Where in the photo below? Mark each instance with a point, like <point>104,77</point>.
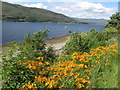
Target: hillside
<point>18,13</point>
<point>92,21</point>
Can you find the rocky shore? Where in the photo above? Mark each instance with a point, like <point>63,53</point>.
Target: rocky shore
<point>57,43</point>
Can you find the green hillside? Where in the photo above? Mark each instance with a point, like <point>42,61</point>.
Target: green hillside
<point>18,13</point>
<point>92,21</point>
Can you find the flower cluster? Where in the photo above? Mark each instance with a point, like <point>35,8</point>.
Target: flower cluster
<point>70,71</point>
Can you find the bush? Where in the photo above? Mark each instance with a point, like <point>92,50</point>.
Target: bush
<point>85,41</point>
<point>114,21</point>
<point>33,48</point>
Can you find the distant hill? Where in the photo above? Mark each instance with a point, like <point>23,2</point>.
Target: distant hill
<point>92,21</point>
<point>18,13</point>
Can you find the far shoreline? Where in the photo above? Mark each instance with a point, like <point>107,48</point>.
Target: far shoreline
<point>47,22</point>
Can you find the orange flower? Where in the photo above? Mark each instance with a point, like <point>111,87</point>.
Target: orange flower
<point>40,63</point>
<point>47,63</point>
<point>79,79</point>
<point>88,71</point>
<point>48,68</point>
<point>93,65</point>
<point>80,85</point>
<point>107,60</point>
<point>75,53</point>
<point>21,63</point>
<point>106,63</point>
<point>29,61</point>
<point>33,67</point>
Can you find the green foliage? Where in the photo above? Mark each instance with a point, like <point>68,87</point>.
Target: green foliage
<point>16,75</point>
<point>85,41</point>
<point>34,46</point>
<point>18,13</point>
<point>106,77</point>
<point>114,21</point>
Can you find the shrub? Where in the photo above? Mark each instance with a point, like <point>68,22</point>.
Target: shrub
<point>14,74</point>
<point>85,41</point>
<point>114,21</point>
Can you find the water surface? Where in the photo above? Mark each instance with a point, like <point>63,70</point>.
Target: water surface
<point>15,31</point>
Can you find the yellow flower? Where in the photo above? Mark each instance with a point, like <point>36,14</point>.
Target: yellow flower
<point>51,84</point>
<point>97,61</point>
<point>75,57</point>
<point>87,77</point>
<point>23,87</point>
<point>75,76</point>
<point>60,57</point>
<point>85,61</point>
<point>113,46</point>
<point>29,85</point>
<point>85,66</point>
<point>62,86</point>
<point>75,54</point>
<point>81,65</point>
<point>33,67</point>
<point>79,79</point>
<point>111,53</point>
<point>103,52</point>
<point>42,72</point>
<point>40,58</point>
<point>84,81</point>
<point>113,50</point>
<point>66,55</point>
<point>29,66</point>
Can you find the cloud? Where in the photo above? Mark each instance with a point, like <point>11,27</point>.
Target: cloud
<point>86,10</point>
<point>12,1</point>
<point>37,5</point>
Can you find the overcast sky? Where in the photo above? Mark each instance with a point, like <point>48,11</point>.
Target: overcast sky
<point>99,9</point>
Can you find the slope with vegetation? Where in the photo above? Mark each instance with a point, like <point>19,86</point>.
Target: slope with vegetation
<point>92,21</point>
<point>88,60</point>
<point>18,13</point>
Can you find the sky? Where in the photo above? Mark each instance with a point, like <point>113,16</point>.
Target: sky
<point>97,9</point>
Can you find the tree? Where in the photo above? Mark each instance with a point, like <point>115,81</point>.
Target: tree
<point>114,21</point>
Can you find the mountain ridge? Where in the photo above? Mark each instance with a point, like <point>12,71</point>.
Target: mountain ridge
<point>19,13</point>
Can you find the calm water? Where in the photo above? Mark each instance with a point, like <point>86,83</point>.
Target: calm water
<point>15,31</point>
